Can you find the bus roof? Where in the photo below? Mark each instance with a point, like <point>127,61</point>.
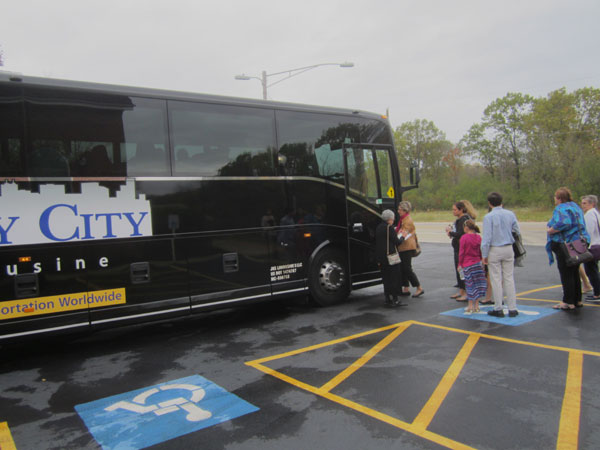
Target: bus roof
<point>17,78</point>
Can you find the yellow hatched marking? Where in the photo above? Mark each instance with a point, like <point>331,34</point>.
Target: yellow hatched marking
<point>569,421</point>
<point>441,440</point>
<point>568,429</point>
<point>514,341</point>
<point>326,344</point>
<point>430,409</point>
<point>6,440</point>
<point>327,387</point>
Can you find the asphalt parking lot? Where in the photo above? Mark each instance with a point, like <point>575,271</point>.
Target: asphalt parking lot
<point>294,376</point>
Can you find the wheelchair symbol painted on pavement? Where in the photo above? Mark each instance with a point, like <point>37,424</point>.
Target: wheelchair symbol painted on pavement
<point>153,414</point>
<point>139,404</point>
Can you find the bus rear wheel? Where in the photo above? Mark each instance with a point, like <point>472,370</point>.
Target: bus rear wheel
<point>329,279</point>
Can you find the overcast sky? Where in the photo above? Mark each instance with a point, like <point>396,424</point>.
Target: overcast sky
<point>440,60</point>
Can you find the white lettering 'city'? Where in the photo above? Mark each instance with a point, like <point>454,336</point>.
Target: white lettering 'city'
<point>55,216</point>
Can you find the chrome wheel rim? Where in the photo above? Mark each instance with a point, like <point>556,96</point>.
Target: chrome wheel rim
<point>331,276</point>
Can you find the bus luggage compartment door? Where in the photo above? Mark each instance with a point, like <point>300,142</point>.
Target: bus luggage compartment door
<point>42,289</point>
<point>150,273</point>
<point>228,268</point>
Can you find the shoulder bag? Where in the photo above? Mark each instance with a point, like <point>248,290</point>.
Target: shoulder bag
<point>417,251</point>
<point>595,249</point>
<point>393,258</point>
<point>576,252</point>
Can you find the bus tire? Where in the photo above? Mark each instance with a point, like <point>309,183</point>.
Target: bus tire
<point>329,281</point>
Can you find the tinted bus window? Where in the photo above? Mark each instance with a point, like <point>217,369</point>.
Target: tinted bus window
<point>145,150</point>
<point>82,134</point>
<point>311,144</point>
<point>220,140</point>
<point>11,131</point>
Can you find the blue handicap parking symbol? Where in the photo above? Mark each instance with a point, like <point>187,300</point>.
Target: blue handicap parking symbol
<point>526,314</point>
<point>155,414</point>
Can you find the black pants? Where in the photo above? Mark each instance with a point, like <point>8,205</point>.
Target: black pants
<point>569,276</point>
<point>591,270</point>
<point>391,280</point>
<point>408,274</point>
<point>461,283</point>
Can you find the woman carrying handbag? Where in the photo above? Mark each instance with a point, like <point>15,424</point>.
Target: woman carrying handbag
<point>566,226</point>
<point>386,243</point>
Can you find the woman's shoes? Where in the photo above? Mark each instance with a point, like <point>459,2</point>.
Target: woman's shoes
<point>455,296</point>
<point>460,299</point>
<point>487,302</point>
<point>418,294</point>
<point>405,293</point>
<point>564,307</point>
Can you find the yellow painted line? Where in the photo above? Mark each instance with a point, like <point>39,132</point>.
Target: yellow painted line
<point>569,423</point>
<point>539,289</point>
<point>538,299</point>
<point>339,378</point>
<point>441,440</point>
<point>514,341</point>
<point>430,409</point>
<point>6,440</point>
<point>326,344</point>
<point>568,429</point>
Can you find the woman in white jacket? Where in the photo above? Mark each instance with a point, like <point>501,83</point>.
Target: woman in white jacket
<point>589,204</point>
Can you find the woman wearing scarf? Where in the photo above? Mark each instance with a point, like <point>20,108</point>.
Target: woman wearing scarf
<point>407,249</point>
<point>566,225</point>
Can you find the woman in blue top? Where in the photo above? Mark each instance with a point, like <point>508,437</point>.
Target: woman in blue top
<point>566,225</point>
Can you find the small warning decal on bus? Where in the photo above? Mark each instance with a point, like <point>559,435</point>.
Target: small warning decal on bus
<point>53,215</point>
<point>26,307</point>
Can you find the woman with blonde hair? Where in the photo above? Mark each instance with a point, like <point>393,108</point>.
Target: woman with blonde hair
<point>406,249</point>
<point>471,211</point>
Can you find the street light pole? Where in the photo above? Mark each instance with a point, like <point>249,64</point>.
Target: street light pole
<point>264,84</point>
<point>291,73</point>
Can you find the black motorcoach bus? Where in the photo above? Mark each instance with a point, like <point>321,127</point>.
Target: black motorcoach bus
<point>126,204</point>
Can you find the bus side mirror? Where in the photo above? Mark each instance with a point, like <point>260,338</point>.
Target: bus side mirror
<point>415,175</point>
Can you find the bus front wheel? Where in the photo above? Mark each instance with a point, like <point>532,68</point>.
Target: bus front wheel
<point>329,281</point>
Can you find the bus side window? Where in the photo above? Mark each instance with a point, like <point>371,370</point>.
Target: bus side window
<point>48,162</point>
<point>223,140</point>
<point>11,131</point>
<point>311,143</point>
<point>148,160</point>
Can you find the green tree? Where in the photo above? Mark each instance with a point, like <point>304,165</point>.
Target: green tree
<point>476,144</point>
<point>504,121</point>
<point>421,142</point>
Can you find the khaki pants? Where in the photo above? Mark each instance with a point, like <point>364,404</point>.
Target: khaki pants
<point>501,264</point>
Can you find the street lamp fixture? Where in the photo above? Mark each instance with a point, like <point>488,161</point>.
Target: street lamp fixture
<point>290,73</point>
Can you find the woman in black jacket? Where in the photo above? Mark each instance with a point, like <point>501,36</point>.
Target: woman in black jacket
<point>386,242</point>
<point>459,209</point>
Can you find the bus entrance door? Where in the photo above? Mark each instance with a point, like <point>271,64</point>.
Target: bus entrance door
<point>370,189</point>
